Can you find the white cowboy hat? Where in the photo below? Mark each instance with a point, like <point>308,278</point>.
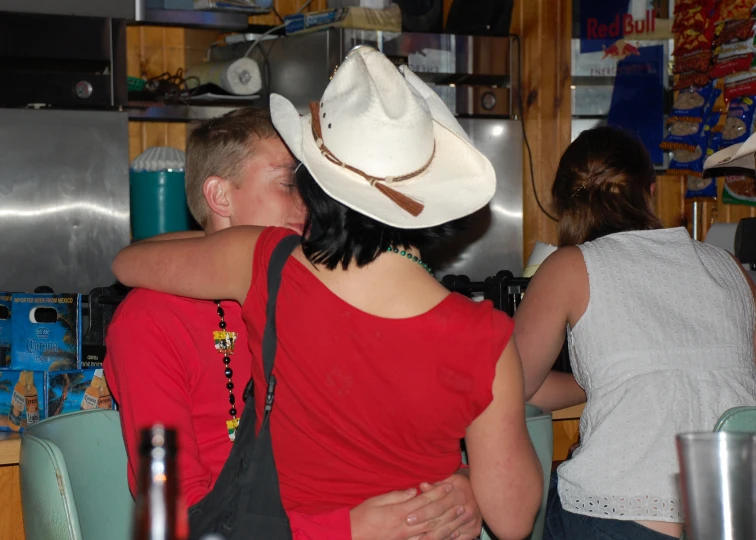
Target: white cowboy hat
<point>737,155</point>
<point>384,144</point>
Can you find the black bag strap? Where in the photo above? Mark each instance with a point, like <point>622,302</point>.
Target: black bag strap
<point>278,259</point>
<point>246,496</point>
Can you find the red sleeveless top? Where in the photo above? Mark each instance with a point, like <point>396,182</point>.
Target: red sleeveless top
<point>364,404</point>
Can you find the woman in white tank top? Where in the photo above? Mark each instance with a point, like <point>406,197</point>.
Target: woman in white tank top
<point>661,331</point>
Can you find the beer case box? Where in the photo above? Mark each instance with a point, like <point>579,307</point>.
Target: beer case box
<point>5,329</point>
<point>46,332</point>
<point>76,390</point>
<point>22,400</point>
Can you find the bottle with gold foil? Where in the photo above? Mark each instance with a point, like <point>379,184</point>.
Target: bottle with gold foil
<point>18,403</point>
<point>98,394</point>
<point>104,401</point>
<point>155,511</point>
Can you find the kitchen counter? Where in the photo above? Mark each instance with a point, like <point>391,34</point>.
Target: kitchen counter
<point>566,426</point>
<point>11,519</point>
<point>10,446</point>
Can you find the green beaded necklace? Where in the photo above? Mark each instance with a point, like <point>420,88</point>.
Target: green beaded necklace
<point>411,257</point>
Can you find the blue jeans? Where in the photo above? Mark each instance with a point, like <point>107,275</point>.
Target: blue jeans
<point>564,525</point>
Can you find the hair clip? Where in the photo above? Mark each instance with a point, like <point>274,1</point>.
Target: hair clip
<point>578,190</point>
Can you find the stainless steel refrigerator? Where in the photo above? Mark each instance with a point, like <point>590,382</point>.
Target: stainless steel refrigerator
<point>64,143</point>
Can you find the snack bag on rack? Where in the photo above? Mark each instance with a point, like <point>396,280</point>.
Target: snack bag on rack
<point>733,58</point>
<point>733,31</point>
<point>729,10</point>
<point>689,136</point>
<point>682,6</point>
<point>698,61</point>
<point>739,189</point>
<point>693,104</point>
<point>693,18</point>
<point>688,162</point>
<point>691,79</point>
<point>684,135</point>
<point>739,123</point>
<point>691,164</point>
<point>740,84</point>
<point>692,40</point>
<point>698,187</point>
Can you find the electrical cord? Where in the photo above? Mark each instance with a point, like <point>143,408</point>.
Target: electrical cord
<point>522,123</point>
<point>265,34</point>
<point>172,86</point>
<point>304,6</point>
<point>266,67</point>
<point>275,28</point>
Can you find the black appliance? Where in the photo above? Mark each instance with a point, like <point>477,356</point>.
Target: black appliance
<point>505,292</point>
<point>480,17</point>
<point>62,61</point>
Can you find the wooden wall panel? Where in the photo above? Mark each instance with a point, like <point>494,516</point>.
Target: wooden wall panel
<point>545,28</point>
<point>196,44</point>
<point>152,51</point>
<point>669,200</point>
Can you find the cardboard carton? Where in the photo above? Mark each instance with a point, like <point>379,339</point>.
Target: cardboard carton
<point>22,400</point>
<point>46,332</point>
<point>5,330</point>
<point>78,390</point>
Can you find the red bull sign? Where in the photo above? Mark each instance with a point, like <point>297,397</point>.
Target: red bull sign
<point>622,24</point>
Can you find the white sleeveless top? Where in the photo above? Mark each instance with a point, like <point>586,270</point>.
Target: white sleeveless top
<point>665,346</point>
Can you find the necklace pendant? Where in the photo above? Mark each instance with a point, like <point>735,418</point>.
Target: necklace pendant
<point>224,341</point>
<point>232,425</point>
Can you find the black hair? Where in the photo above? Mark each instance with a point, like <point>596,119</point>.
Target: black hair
<point>338,235</point>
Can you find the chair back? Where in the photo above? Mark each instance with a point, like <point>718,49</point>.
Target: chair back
<point>73,478</point>
<point>542,437</point>
<point>742,419</point>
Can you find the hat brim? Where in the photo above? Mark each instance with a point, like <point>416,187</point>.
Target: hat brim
<point>735,156</point>
<point>458,181</point>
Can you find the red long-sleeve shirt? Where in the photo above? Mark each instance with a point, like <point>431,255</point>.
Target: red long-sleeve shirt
<point>162,367</point>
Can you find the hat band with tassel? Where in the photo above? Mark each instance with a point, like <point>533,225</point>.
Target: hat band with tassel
<point>406,203</point>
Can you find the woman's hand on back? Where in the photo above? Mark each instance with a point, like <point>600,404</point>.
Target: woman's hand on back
<point>438,512</point>
<point>468,523</point>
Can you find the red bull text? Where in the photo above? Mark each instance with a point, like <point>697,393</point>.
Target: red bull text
<point>624,23</point>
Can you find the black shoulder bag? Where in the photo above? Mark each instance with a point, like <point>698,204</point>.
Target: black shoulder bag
<point>245,502</point>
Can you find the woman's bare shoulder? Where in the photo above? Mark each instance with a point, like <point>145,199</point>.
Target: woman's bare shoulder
<point>562,283</point>
<point>564,263</point>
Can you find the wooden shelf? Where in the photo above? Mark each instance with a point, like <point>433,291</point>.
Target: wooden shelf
<point>213,20</point>
<point>185,112</point>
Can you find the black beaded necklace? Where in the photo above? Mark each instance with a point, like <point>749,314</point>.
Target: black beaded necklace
<point>224,344</point>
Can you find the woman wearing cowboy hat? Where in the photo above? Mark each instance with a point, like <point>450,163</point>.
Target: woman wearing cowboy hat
<point>380,370</point>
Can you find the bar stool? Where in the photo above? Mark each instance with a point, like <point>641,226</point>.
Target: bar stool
<point>73,478</point>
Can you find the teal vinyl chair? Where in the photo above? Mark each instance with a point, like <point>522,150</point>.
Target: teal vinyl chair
<point>73,478</point>
<point>740,419</point>
<point>542,437</point>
